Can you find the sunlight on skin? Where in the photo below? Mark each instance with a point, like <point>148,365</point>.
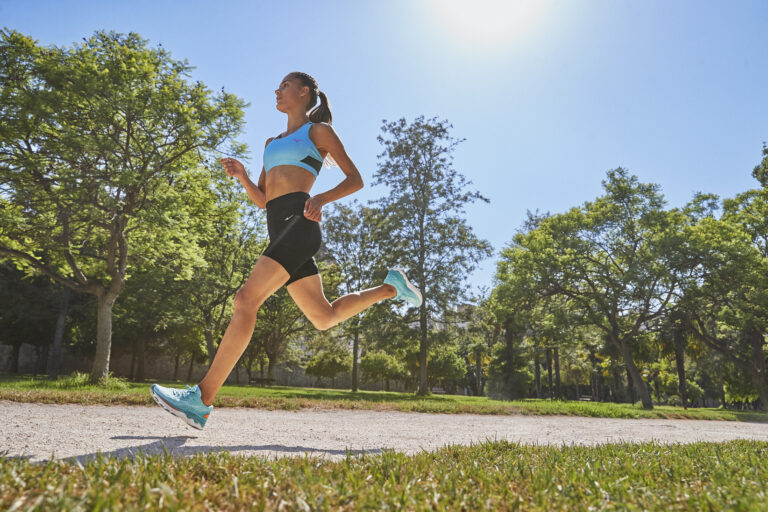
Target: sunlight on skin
<point>487,24</point>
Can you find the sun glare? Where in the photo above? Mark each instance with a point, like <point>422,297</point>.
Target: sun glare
<point>483,24</point>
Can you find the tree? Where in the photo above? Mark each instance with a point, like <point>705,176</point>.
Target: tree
<point>328,364</point>
<point>612,260</point>
<point>425,229</point>
<point>726,302</point>
<point>351,233</point>
<point>377,365</point>
<point>93,142</point>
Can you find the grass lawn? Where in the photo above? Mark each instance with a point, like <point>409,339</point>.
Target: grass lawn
<point>496,475</point>
<point>75,390</point>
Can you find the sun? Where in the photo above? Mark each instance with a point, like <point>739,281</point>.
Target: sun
<point>484,24</point>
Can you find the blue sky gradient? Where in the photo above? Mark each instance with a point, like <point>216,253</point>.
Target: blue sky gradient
<point>548,95</point>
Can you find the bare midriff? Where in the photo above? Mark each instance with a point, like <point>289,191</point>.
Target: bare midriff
<point>284,179</point>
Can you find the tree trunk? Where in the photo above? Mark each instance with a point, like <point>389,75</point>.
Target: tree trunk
<point>209,343</point>
<point>537,371</point>
<point>657,386</point>
<point>423,389</point>
<point>271,365</point>
<point>758,363</point>
<point>616,385</point>
<point>15,357</point>
<point>682,388</point>
<point>478,373</point>
<point>630,387</point>
<point>42,359</point>
<point>721,385</point>
<point>132,373</point>
<point>191,365</point>
<point>176,366</point>
<point>54,357</point>
<point>355,365</point>
<point>103,336</point>
<point>634,372</point>
<point>558,393</point>
<point>141,359</point>
<point>550,389</point>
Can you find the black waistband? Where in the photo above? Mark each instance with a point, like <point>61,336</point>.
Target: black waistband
<point>287,199</point>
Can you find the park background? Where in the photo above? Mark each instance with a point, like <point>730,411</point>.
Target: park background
<point>548,99</point>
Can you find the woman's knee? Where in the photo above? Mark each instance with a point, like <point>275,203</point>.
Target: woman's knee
<point>324,321</point>
<point>248,300</point>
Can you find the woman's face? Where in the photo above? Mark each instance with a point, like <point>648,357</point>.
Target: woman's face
<point>291,95</point>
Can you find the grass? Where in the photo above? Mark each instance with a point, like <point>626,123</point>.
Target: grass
<point>496,475</point>
<point>76,390</point>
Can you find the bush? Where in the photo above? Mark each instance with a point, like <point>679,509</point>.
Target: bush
<point>79,380</point>
<point>674,400</point>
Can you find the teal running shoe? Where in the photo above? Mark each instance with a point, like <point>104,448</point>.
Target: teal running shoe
<point>405,290</point>
<point>184,403</point>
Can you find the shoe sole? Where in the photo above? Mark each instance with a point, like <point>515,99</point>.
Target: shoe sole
<point>171,409</point>
<point>409,285</point>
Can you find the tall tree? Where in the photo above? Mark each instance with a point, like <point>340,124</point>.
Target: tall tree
<point>611,259</point>
<point>726,303</point>
<point>92,143</point>
<point>352,235</point>
<point>426,229</point>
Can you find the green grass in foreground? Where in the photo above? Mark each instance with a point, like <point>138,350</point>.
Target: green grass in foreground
<point>496,475</point>
<point>76,390</point>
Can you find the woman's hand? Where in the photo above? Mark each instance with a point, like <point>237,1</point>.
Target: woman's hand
<point>313,209</point>
<point>233,167</point>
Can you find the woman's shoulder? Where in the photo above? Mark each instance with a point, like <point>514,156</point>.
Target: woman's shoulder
<point>321,129</point>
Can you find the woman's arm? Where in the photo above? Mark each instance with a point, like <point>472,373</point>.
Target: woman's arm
<point>255,192</point>
<point>325,139</point>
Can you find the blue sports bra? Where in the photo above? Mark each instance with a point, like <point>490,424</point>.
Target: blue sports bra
<point>294,149</point>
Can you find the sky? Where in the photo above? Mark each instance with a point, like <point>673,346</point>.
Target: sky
<point>547,95</point>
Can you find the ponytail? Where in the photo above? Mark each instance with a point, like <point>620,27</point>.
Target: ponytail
<point>321,113</point>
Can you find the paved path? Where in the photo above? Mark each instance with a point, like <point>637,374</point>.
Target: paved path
<point>42,431</point>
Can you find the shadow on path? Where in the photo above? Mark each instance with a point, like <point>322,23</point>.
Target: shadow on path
<point>175,445</point>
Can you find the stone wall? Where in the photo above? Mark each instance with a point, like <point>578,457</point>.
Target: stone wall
<point>161,368</point>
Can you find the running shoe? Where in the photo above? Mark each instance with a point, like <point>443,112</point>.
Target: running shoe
<point>184,403</point>
<point>405,290</point>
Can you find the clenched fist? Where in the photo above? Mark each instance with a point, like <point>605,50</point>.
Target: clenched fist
<point>233,167</point>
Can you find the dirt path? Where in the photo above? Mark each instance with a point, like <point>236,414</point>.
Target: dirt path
<point>40,431</point>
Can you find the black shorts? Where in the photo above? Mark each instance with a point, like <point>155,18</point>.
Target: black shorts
<point>294,239</point>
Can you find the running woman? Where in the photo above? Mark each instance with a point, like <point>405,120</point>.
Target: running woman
<point>292,161</point>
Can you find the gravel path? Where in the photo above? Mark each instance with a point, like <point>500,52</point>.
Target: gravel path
<point>41,431</point>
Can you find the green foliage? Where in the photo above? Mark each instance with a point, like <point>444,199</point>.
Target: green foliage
<point>424,212</point>
<point>446,368</point>
<point>378,365</point>
<point>329,364</point>
<point>611,260</point>
<point>760,172</point>
<point>79,380</point>
<point>100,149</point>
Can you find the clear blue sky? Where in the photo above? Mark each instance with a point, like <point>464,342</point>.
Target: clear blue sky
<point>549,95</point>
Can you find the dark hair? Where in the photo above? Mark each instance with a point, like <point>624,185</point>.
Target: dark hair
<point>321,114</point>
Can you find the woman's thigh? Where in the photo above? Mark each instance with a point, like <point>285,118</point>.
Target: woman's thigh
<point>266,278</point>
<point>308,295</point>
